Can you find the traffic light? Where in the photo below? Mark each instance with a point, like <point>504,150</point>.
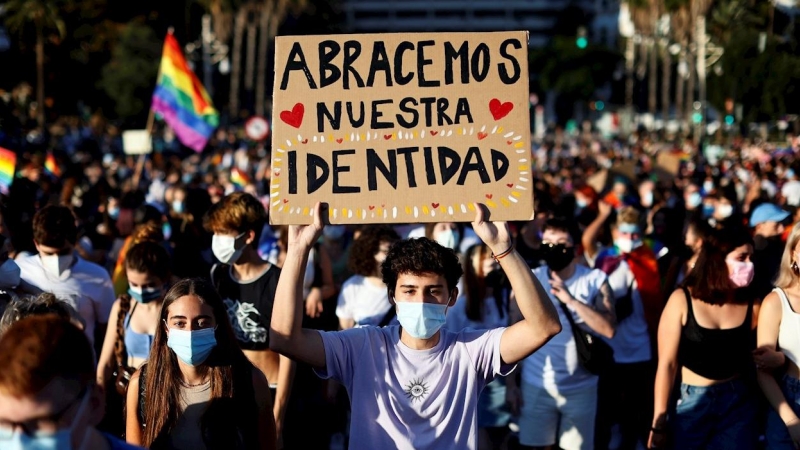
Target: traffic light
<point>729,120</point>
<point>581,41</point>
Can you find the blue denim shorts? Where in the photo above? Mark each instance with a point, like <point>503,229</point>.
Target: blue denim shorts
<point>722,416</point>
<point>776,433</point>
<point>492,408</point>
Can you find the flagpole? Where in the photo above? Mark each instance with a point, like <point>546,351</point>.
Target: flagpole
<point>137,174</point>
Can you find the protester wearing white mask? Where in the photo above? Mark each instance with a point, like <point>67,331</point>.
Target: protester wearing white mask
<point>247,285</point>
<point>58,269</point>
<point>47,400</point>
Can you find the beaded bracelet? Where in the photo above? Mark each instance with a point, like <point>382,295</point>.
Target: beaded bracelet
<point>502,255</point>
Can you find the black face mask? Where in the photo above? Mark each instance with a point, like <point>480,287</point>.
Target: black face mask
<point>557,256</point>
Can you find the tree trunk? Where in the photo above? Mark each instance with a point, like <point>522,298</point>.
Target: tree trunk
<point>236,60</point>
<point>680,88</point>
<point>40,76</point>
<point>250,63</point>
<point>689,105</point>
<point>267,10</point>
<point>666,78</point>
<point>652,71</point>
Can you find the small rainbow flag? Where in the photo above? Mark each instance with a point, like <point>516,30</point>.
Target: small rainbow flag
<point>51,166</point>
<point>8,162</point>
<point>182,100</point>
<point>239,178</point>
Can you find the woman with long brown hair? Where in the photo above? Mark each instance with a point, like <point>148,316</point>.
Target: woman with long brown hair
<point>198,390</point>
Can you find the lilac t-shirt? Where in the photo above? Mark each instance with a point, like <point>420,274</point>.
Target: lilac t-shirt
<point>413,399</point>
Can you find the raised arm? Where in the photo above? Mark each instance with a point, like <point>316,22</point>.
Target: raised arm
<point>539,318</point>
<point>590,234</point>
<point>599,316</point>
<point>286,334</point>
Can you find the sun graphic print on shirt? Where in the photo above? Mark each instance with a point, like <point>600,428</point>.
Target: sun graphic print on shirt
<point>244,327</point>
<point>416,390</point>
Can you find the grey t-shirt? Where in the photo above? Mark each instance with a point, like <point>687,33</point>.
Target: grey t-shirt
<point>413,399</point>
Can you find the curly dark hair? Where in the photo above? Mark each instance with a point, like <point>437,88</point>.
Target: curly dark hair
<point>362,253</point>
<point>419,256</point>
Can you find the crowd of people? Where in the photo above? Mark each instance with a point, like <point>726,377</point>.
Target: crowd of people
<point>149,300</point>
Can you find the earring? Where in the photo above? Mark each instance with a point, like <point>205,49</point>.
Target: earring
<point>795,268</point>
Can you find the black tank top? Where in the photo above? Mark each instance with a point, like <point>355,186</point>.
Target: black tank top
<point>716,354</point>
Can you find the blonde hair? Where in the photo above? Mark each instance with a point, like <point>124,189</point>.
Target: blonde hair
<point>629,214</point>
<point>786,276</point>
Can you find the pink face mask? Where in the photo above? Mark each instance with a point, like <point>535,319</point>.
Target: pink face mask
<point>741,272</point>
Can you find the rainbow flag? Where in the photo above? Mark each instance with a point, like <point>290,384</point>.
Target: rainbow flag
<point>51,166</point>
<point>239,178</point>
<point>182,100</point>
<point>8,162</point>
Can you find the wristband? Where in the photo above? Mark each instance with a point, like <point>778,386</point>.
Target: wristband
<point>502,255</point>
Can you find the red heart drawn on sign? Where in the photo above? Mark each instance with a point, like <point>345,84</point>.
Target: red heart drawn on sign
<point>294,117</point>
<point>387,136</point>
<point>434,133</point>
<point>499,110</point>
<point>509,142</point>
<point>371,207</point>
<point>305,141</point>
<point>489,196</point>
<point>435,205</point>
<point>510,184</point>
<point>276,173</point>
<point>482,136</point>
<point>339,141</point>
<point>383,205</point>
<point>285,201</point>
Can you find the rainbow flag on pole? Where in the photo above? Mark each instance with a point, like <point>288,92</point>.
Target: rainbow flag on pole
<point>51,166</point>
<point>239,178</point>
<point>8,163</point>
<point>182,100</point>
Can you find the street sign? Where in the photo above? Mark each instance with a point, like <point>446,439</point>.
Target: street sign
<point>257,128</point>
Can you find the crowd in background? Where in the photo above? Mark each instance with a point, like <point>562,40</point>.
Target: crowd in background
<point>682,259</point>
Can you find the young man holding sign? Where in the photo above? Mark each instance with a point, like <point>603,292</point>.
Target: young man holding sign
<point>414,386</point>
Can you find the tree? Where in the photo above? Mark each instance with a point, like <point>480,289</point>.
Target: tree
<point>46,20</point>
<point>130,77</point>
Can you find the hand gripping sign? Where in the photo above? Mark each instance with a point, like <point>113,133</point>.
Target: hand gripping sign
<point>401,128</point>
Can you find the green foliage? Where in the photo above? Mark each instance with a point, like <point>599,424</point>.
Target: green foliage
<point>766,84</point>
<point>573,72</point>
<point>130,77</point>
<point>43,14</point>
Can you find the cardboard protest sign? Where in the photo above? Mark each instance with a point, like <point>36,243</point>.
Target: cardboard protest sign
<point>137,142</point>
<point>396,128</point>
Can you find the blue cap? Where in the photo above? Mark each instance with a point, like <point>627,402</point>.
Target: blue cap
<point>767,212</point>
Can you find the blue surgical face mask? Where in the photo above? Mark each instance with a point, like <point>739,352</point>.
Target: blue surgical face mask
<point>113,212</point>
<point>61,439</point>
<point>421,320</point>
<point>177,206</point>
<point>144,295</point>
<point>166,230</point>
<point>694,200</point>
<point>708,211</point>
<point>192,347</point>
<point>448,238</point>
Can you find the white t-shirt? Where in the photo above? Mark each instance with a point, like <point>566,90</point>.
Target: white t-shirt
<point>791,191</point>
<point>457,319</point>
<point>86,286</point>
<point>631,342</point>
<point>555,365</point>
<point>413,399</point>
<point>362,301</point>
